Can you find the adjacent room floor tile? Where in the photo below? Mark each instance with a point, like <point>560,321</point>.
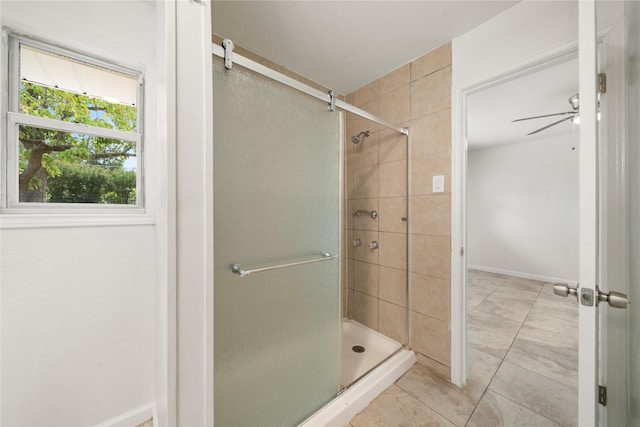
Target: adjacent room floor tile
<point>494,322</point>
<point>482,338</point>
<point>544,361</point>
<point>515,311</point>
<point>481,367</point>
<point>555,319</point>
<point>540,394</point>
<point>488,284</point>
<point>525,294</point>
<point>564,343</point>
<point>511,299</point>
<point>497,411</point>
<point>524,284</point>
<point>474,297</point>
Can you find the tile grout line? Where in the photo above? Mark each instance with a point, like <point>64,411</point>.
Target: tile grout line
<point>488,295</point>
<point>505,354</point>
<point>528,409</point>
<point>423,403</point>
<point>504,360</point>
<point>525,368</point>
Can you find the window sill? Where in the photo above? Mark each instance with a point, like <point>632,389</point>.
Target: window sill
<point>12,218</point>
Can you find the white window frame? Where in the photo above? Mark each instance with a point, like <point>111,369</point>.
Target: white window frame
<point>11,117</point>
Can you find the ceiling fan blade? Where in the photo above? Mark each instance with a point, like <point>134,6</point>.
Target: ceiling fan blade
<point>552,124</point>
<point>543,116</point>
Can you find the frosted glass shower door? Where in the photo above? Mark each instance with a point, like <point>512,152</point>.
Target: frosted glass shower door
<point>277,201</point>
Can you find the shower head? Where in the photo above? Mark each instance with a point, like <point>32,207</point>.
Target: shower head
<point>356,138</point>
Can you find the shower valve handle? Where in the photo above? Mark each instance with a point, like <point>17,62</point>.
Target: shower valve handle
<point>373,245</point>
<point>373,214</point>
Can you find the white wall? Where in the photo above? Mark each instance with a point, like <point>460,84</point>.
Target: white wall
<point>79,303</point>
<point>520,35</point>
<point>77,324</point>
<point>522,208</point>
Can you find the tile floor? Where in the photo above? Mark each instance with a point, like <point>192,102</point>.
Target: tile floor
<point>523,354</point>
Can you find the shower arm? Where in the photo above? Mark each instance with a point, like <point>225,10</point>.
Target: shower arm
<point>373,214</point>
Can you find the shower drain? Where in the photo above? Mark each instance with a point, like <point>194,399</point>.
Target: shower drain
<point>358,348</point>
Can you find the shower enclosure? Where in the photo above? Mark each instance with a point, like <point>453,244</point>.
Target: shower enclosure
<point>280,252</point>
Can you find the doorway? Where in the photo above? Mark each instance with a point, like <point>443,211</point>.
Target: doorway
<point>502,58</point>
<point>522,236</point>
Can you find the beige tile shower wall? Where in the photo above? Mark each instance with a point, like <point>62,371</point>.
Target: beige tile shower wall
<point>417,95</point>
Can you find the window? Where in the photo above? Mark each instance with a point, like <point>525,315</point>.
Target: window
<point>73,135</point>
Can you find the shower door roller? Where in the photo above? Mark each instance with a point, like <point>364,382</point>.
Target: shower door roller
<point>615,299</point>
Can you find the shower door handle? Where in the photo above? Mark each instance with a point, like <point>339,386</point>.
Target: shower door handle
<point>237,268</point>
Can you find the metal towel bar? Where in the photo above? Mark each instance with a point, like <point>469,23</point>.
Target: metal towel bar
<point>237,268</point>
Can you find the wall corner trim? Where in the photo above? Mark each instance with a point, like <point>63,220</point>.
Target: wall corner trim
<point>458,232</point>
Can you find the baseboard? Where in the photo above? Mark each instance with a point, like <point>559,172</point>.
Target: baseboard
<point>523,275</point>
<point>357,397</point>
<point>133,418</point>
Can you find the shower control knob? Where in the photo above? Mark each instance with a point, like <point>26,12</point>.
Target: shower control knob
<point>356,242</point>
<point>373,245</point>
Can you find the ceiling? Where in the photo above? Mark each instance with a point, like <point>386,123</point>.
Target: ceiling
<point>545,91</point>
<point>344,45</point>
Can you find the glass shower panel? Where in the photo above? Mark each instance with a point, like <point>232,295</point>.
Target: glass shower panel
<point>277,201</point>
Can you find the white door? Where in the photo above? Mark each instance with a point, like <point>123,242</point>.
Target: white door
<point>632,14</point>
<point>588,293</point>
<point>588,260</point>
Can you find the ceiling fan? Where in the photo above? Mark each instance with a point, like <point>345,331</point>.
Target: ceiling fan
<point>575,106</point>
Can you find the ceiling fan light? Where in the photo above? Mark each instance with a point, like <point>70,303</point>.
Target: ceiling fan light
<point>575,101</point>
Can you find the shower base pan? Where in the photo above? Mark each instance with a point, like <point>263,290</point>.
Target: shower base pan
<point>354,399</point>
<point>362,349</point>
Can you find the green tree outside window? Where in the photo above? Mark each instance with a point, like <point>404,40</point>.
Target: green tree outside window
<point>68,167</point>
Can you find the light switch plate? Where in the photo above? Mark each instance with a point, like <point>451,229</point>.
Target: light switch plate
<point>438,184</point>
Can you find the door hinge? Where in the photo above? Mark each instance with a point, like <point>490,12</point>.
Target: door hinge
<point>602,395</point>
<point>602,83</point>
